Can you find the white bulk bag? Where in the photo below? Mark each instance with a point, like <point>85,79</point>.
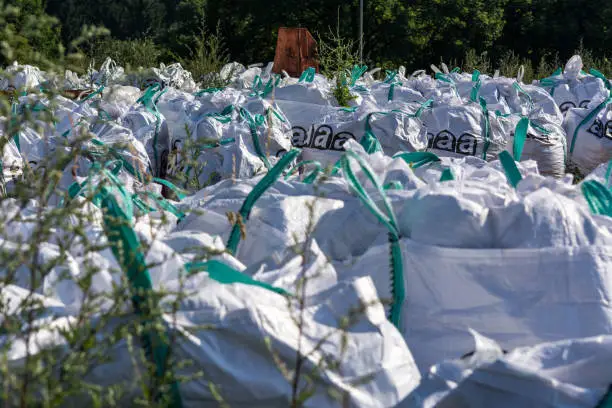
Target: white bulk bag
<point>463,130</point>
<point>384,93</point>
<point>571,373</point>
<point>127,95</point>
<point>589,135</point>
<point>317,92</point>
<point>22,77</point>
<point>377,368</point>
<point>544,141</point>
<point>519,297</point>
<point>152,131</point>
<point>572,88</point>
<point>177,108</point>
<point>130,149</point>
<point>546,280</point>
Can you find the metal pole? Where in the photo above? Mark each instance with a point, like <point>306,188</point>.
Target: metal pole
<point>361,31</point>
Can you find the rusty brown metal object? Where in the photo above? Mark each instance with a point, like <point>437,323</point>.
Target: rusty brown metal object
<point>296,50</point>
<point>77,93</point>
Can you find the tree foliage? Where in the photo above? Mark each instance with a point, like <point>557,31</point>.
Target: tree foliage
<point>414,33</point>
<point>27,33</point>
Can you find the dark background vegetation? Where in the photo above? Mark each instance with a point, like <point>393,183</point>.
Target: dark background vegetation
<point>414,33</point>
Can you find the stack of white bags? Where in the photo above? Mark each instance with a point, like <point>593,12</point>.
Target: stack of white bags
<point>439,208</point>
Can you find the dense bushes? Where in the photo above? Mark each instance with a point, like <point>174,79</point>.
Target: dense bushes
<point>498,34</point>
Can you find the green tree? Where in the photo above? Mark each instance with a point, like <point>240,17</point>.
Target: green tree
<point>186,27</point>
<point>27,33</point>
<point>449,28</point>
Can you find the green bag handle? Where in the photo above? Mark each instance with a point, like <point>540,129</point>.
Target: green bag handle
<point>447,175</point>
<point>141,205</point>
<point>223,273</point>
<point>487,127</point>
<point>598,196</point>
<point>357,72</point>
<point>476,87</point>
<point>601,76</point>
<point>551,82</point>
<point>312,176</point>
<point>266,182</point>
<point>128,251</point>
<point>370,142</point>
<point>521,91</point>
<point>13,123</point>
<point>442,77</point>
<point>608,173</point>
<point>147,97</point>
<point>225,116</point>
<point>391,94</point>
<point>180,193</point>
<point>308,75</point>
<point>417,159</point>
<point>385,217</point>
<point>390,77</point>
<point>151,106</point>
<point>147,100</point>
<point>520,135</point>
<point>392,80</point>
<point>163,204</point>
<point>127,165</point>
<point>261,90</point>
<point>75,189</point>
<point>336,169</point>
<point>587,119</point>
<point>275,113</point>
<point>425,105</point>
<point>512,172</point>
<point>78,189</point>
<point>92,95</point>
<point>246,115</point>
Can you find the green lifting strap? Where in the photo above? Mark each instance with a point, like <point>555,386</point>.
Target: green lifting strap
<point>509,165</point>
<point>447,175</point>
<point>222,273</point>
<point>598,196</point>
<point>312,176</point>
<point>608,173</point>
<point>476,87</point>
<point>587,119</point>
<point>246,115</point>
<point>385,217</point>
<point>356,73</point>
<point>417,159</point>
<point>266,182</point>
<point>487,127</point>
<point>180,193</point>
<point>128,251</point>
<point>520,135</point>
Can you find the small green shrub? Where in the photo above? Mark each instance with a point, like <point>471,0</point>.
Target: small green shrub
<point>336,54</point>
<point>341,91</point>
<point>207,57</point>
<point>130,54</point>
